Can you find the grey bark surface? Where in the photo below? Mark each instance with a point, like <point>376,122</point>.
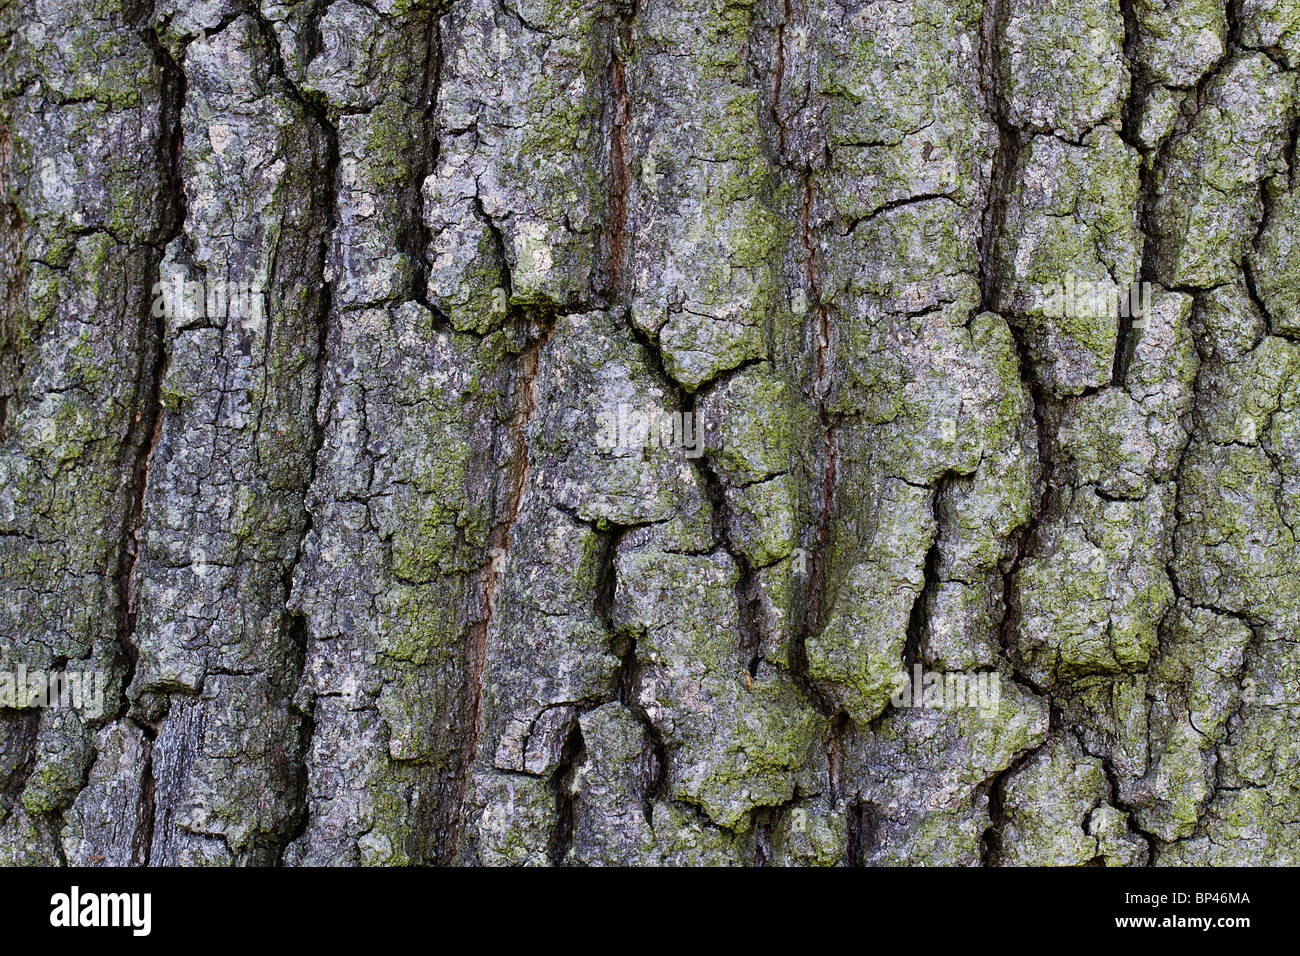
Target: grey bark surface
<point>367,584</point>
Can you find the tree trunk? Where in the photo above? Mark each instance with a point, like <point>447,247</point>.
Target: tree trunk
<point>651,432</point>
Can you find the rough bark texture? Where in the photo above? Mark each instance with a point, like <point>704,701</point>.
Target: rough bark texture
<point>369,588</point>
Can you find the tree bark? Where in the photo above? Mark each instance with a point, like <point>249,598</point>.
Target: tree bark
<point>559,431</point>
